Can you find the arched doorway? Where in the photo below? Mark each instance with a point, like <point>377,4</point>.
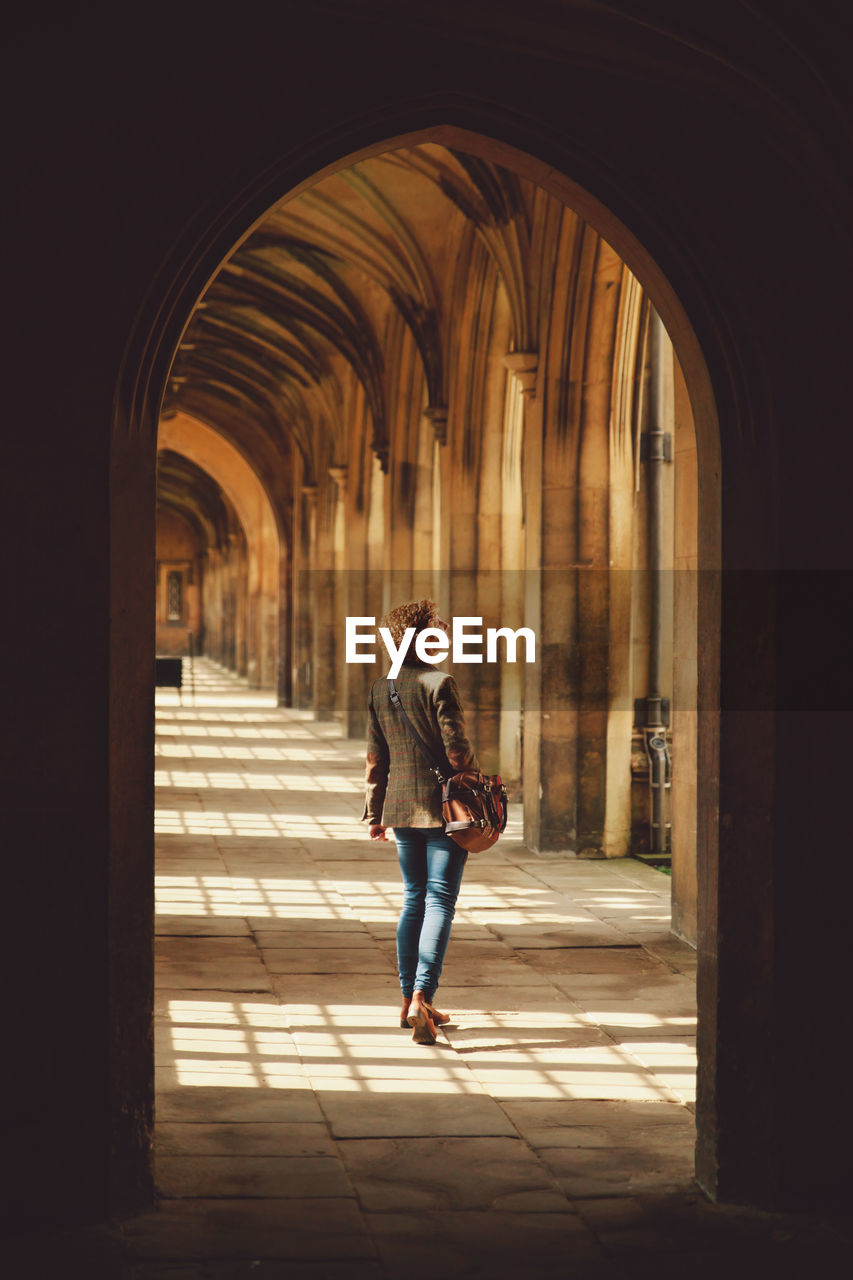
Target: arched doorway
<point>258,617</point>
<point>696,607</point>
<point>716,137</point>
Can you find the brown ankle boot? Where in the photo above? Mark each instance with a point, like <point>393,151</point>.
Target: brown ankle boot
<point>440,1019</point>
<point>420,1020</point>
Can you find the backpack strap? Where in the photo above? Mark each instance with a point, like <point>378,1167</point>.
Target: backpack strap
<point>396,703</point>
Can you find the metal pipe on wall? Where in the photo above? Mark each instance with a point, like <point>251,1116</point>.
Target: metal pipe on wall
<point>654,514</point>
<point>658,453</point>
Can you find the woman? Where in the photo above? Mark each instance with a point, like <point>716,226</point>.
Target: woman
<point>403,793</point>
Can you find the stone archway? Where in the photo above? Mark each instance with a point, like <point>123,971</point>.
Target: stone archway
<point>218,457</point>
<point>538,331</point>
<point>698,396</point>
<point>717,136</point>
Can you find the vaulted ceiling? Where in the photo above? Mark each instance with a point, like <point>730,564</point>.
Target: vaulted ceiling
<point>188,491</point>
<point>303,312</point>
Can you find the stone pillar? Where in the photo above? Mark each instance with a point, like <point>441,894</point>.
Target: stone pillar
<point>549,761</point>
<point>284,674</point>
<point>519,401</point>
<point>229,649</point>
<point>551,701</point>
<point>595,558</point>
<point>322,584</point>
<point>423,514</point>
<point>239,595</point>
<point>685,694</point>
<point>400,512</point>
<point>461,591</point>
<point>340,582</point>
<point>253,605</point>
<point>303,645</point>
<point>622,579</point>
<point>355,677</point>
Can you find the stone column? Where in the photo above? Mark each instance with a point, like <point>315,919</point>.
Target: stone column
<point>240,596</point>
<point>685,693</point>
<point>599,507</point>
<point>340,538</point>
<point>304,535</point>
<point>549,771</point>
<point>284,676</point>
<point>519,408</point>
<point>322,582</point>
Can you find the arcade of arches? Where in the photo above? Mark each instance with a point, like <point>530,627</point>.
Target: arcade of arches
<point>426,375</point>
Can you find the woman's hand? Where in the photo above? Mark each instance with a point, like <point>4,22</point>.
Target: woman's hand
<point>376,832</point>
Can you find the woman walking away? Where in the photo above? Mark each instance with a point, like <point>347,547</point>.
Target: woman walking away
<point>404,793</point>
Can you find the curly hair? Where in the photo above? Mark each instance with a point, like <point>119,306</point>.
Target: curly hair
<point>419,614</point>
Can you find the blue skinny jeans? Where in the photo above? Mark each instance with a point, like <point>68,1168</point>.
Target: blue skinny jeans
<point>431,865</point>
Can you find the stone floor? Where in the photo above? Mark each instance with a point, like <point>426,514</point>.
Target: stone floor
<point>301,1133</point>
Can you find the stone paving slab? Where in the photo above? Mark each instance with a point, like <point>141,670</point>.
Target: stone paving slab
<point>401,1115</point>
<point>450,1173</point>
<point>192,864</point>
<point>607,1170</point>
<point>292,921</point>
<point>193,949</point>
<point>324,989</point>
<point>316,960</point>
<point>201,926</point>
<point>295,936</point>
<point>219,1008</point>
<point>239,1104</point>
<point>549,934</point>
<point>244,1138</point>
<point>222,974</point>
<point>633,960</point>
<point>493,1244</point>
<point>231,1176</point>
<point>548,1124</point>
<point>652,984</point>
<point>324,1228</point>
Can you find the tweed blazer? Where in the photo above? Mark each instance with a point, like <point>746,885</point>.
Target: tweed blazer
<point>402,791</point>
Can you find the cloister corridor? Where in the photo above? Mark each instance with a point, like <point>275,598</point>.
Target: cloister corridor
<point>300,1132</point>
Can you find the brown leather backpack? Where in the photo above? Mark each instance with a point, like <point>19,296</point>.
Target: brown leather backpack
<point>473,805</point>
